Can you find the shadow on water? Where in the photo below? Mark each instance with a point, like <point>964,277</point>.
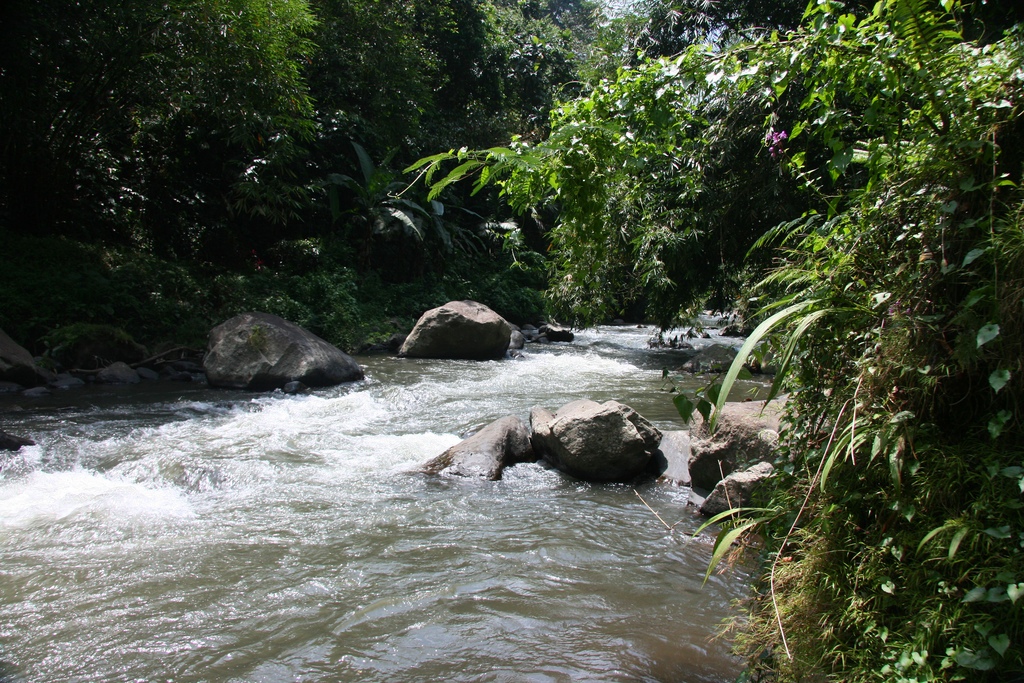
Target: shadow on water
<point>9,674</point>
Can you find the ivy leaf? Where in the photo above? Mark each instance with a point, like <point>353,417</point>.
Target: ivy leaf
<point>970,660</point>
<point>998,532</point>
<point>998,379</point>
<point>1000,643</point>
<point>987,334</point>
<point>976,594</point>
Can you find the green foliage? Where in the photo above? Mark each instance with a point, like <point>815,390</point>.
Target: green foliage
<point>899,512</point>
<point>661,182</point>
<point>106,105</point>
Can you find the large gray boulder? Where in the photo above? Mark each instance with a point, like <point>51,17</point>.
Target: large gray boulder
<point>502,443</point>
<point>459,329</point>
<point>746,433</point>
<point>598,442</point>
<point>18,366</point>
<point>260,351</point>
<point>736,490</point>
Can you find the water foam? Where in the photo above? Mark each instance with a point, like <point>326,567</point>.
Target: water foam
<point>44,497</point>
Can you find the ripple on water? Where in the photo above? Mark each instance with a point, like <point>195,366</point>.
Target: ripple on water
<point>235,537</point>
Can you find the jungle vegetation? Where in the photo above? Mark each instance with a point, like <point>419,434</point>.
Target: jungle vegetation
<point>846,174</point>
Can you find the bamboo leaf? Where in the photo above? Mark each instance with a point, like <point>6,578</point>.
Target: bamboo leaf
<point>954,544</point>
<point>748,346</point>
<point>723,543</point>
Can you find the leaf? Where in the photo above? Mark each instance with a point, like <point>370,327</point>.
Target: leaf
<point>930,535</point>
<point>748,346</point>
<point>954,544</point>
<point>996,424</point>
<point>970,660</point>
<point>429,160</point>
<point>365,164</point>
<point>976,594</point>
<point>998,379</point>
<point>973,255</point>
<point>704,408</point>
<point>1015,590</point>
<point>1000,643</point>
<point>999,532</point>
<point>987,334</point>
<point>996,594</point>
<point>723,543</point>
<point>684,407</point>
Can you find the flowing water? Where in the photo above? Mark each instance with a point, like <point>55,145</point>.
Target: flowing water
<point>172,532</point>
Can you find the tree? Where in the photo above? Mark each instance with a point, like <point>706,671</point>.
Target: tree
<point>107,105</point>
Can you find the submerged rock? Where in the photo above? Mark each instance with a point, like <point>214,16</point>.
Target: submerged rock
<point>714,358</point>
<point>485,454</point>
<point>10,442</point>
<point>594,441</point>
<point>459,329</point>
<point>260,351</point>
<point>67,381</point>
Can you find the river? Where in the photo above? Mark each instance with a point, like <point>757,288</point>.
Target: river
<point>172,532</point>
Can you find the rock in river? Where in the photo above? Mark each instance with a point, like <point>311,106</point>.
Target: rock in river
<point>502,443</point>
<point>459,329</point>
<point>18,366</point>
<point>260,351</point>
<point>595,441</point>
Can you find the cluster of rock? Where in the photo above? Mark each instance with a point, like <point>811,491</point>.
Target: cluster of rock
<point>737,457</point>
<point>260,352</point>
<point>611,442</point>
<point>21,373</point>
<point>599,442</point>
<point>469,330</point>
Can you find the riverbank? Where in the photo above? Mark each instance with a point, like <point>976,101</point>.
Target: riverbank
<point>50,285</point>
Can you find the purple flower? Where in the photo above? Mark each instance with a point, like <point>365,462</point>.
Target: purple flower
<point>774,140</point>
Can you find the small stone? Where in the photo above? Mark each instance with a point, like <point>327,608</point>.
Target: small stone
<point>295,388</point>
